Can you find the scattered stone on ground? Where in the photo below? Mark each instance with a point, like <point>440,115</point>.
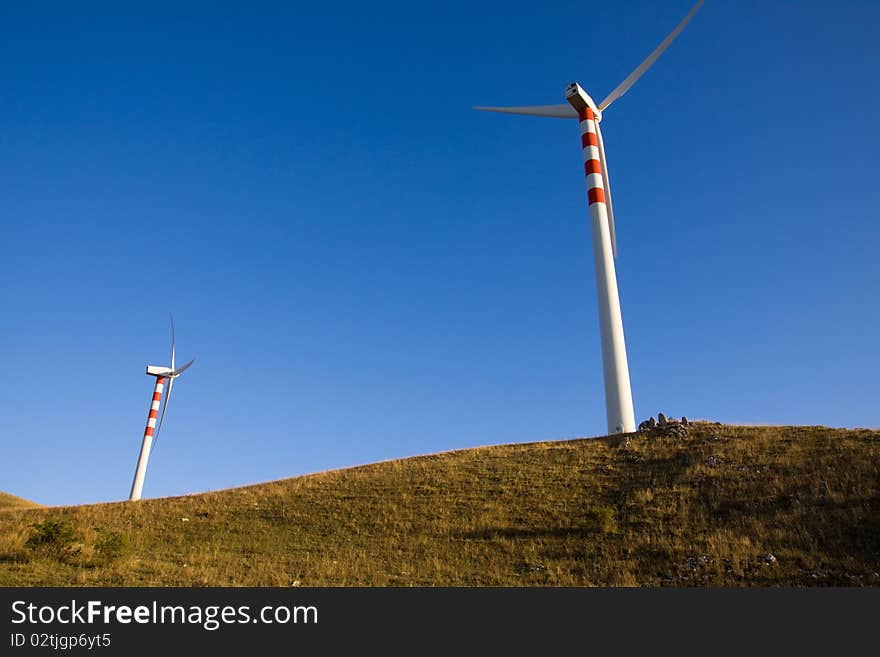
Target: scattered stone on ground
<point>677,430</point>
<point>525,567</point>
<point>703,560</point>
<point>665,426</point>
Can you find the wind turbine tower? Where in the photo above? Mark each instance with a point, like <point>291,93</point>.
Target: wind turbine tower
<point>618,393</point>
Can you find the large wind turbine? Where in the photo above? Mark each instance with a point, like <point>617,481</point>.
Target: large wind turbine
<point>151,433</point>
<point>618,394</point>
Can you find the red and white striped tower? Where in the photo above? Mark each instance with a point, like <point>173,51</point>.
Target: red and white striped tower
<point>141,471</point>
<point>618,394</point>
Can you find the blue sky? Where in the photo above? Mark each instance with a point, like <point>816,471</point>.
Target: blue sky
<point>367,269</point>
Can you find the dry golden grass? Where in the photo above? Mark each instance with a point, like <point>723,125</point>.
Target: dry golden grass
<point>701,510</point>
<point>8,501</point>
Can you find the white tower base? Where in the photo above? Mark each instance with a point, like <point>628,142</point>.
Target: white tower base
<point>137,486</point>
<point>618,394</point>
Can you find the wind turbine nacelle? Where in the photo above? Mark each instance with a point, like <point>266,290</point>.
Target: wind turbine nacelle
<point>155,370</point>
<point>579,99</point>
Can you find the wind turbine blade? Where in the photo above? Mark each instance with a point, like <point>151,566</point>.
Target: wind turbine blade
<point>630,80</point>
<point>564,111</point>
<point>172,342</point>
<point>162,415</point>
<point>606,182</point>
<point>171,376</point>
<point>176,372</point>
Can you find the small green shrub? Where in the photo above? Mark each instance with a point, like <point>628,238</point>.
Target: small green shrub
<point>603,519</point>
<point>55,537</point>
<point>113,545</point>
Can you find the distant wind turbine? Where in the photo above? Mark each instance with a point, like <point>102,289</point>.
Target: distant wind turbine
<point>618,393</point>
<point>151,433</point>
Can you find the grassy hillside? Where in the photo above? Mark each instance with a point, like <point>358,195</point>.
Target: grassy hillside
<point>704,509</point>
<point>8,501</point>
